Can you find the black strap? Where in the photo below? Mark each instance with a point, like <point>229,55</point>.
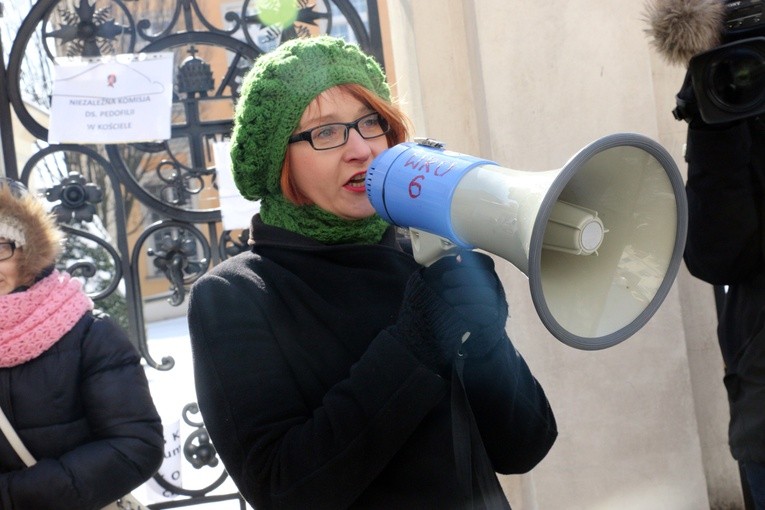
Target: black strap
<point>461,430</point>
<point>7,452</point>
<point>470,454</point>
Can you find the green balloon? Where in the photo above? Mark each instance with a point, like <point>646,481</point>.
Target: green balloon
<point>278,12</point>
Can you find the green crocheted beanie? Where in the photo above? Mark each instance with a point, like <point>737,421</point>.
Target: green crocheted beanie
<point>275,93</point>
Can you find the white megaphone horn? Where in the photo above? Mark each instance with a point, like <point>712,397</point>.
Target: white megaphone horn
<point>600,240</point>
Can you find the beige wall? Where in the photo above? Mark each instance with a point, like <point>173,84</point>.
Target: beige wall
<point>527,84</point>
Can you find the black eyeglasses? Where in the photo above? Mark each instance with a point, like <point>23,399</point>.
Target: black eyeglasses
<point>334,135</point>
<point>6,249</point>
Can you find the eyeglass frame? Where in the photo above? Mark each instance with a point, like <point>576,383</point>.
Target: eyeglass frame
<point>305,136</point>
<point>13,246</point>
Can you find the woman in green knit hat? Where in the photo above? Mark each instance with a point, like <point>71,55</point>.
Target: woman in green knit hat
<point>324,357</point>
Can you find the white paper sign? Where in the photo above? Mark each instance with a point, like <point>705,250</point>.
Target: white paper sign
<point>112,99</point>
<point>236,210</point>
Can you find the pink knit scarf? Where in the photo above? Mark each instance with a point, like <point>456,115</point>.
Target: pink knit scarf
<point>33,320</point>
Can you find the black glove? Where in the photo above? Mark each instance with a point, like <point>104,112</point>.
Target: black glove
<point>457,299</point>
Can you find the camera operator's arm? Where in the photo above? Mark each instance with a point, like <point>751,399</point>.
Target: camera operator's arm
<point>724,243</point>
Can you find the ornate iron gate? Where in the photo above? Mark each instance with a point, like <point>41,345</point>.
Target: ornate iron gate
<point>140,214</point>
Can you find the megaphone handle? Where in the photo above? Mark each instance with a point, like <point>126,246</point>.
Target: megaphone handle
<point>428,248</point>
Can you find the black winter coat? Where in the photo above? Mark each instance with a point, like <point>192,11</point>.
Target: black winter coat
<point>84,411</point>
<point>311,400</point>
<point>726,176</point>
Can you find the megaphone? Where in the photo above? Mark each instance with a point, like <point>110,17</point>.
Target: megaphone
<point>600,240</point>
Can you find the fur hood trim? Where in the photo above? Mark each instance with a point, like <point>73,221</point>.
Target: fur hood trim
<point>40,239</point>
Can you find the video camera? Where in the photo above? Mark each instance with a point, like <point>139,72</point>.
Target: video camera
<point>729,80</point>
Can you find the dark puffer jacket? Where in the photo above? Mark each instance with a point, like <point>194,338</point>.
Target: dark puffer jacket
<point>84,411</point>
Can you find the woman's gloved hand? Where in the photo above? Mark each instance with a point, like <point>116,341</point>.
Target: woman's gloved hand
<point>457,299</point>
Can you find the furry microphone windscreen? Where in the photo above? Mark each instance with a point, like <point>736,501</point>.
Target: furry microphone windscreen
<point>681,29</point>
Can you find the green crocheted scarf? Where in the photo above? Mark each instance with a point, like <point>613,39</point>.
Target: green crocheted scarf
<point>316,223</point>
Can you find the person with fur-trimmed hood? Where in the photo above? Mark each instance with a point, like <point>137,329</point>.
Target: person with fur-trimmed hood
<point>71,383</point>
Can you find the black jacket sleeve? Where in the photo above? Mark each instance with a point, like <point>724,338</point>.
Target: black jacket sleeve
<point>516,422</point>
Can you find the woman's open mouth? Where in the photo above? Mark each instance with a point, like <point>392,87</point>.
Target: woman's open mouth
<point>357,182</point>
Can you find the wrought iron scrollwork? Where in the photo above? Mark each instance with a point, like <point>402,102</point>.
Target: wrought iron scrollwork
<point>88,269</point>
<point>199,452</point>
<point>88,31</point>
<point>182,20</point>
<point>198,448</point>
<point>77,198</point>
<point>93,251</point>
<point>176,256</point>
<point>179,260</point>
<point>180,182</point>
<point>230,246</point>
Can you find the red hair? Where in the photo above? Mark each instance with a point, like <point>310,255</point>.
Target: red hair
<point>399,132</point>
